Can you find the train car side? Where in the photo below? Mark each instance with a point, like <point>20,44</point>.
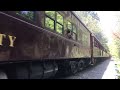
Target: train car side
<point>42,46</point>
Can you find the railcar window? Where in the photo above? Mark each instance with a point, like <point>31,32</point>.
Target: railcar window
<point>50,14</point>
<point>49,23</point>
<point>27,14</point>
<point>59,28</point>
<point>69,26</point>
<point>54,21</point>
<point>59,18</point>
<point>50,19</point>
<point>59,23</point>
<point>73,30</point>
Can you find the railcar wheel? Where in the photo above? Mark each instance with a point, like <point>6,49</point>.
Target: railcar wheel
<point>73,67</point>
<point>81,64</point>
<point>50,69</point>
<point>3,75</point>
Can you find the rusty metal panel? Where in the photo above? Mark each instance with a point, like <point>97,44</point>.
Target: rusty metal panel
<point>33,44</point>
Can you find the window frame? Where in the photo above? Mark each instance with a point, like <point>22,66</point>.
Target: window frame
<point>72,30</point>
<point>62,17</point>
<point>62,25</point>
<point>49,18</point>
<point>55,22</point>
<point>59,23</point>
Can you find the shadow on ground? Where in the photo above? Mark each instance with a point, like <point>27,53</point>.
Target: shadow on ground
<point>92,72</point>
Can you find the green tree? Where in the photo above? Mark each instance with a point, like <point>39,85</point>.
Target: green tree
<point>116,45</point>
<point>26,14</point>
<point>91,20</point>
<point>116,38</point>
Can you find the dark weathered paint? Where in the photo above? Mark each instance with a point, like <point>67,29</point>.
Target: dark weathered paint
<point>35,43</point>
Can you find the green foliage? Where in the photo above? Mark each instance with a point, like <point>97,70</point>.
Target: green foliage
<point>54,18</point>
<point>49,23</point>
<point>69,26</point>
<point>94,15</point>
<point>26,14</point>
<point>59,18</point>
<point>51,14</point>
<point>59,28</point>
<point>91,20</point>
<point>115,44</point>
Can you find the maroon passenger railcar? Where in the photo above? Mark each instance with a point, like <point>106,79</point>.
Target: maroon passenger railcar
<point>38,44</point>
